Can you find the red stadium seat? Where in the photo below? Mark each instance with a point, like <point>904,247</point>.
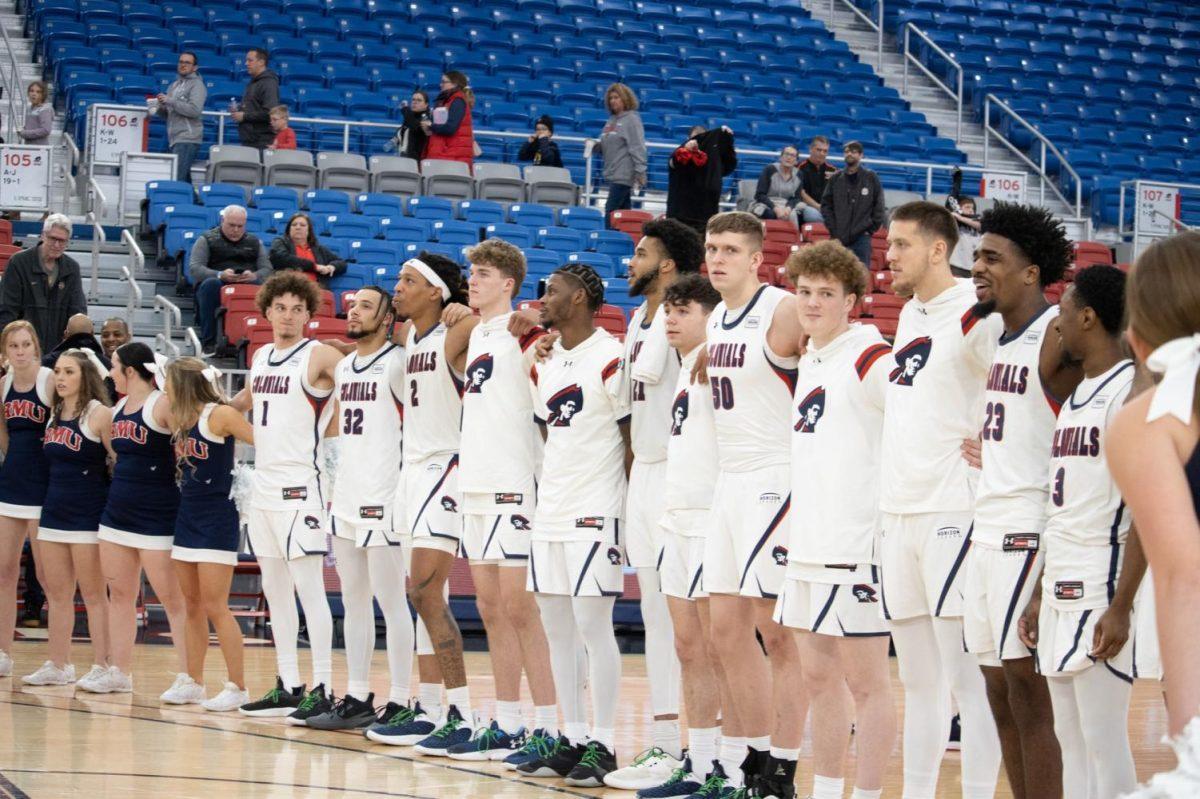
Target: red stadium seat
<point>1054,292</point>
<point>258,334</point>
<point>612,319</point>
<point>327,306</point>
<point>326,327</point>
<point>7,251</point>
<point>346,298</point>
<point>6,236</point>
<point>1088,253</point>
<point>881,282</point>
<point>231,290</point>
<point>781,230</point>
<point>629,217</point>
<point>236,315</point>
<point>882,306</point>
<point>814,231</point>
<point>525,305</point>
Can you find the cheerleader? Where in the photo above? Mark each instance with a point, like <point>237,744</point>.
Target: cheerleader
<point>76,445</point>
<point>207,529</point>
<point>25,393</point>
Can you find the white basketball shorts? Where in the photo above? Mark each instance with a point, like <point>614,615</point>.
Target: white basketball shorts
<point>921,558</point>
<point>745,552</point>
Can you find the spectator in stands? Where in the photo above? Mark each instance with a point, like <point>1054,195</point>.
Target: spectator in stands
<point>449,127</point>
<point>962,208</point>
<point>225,254</point>
<point>411,138</point>
<point>814,175</point>
<point>696,171</point>
<point>183,106</point>
<point>261,95</point>
<point>113,334</point>
<point>779,187</point>
<point>623,147</point>
<point>299,249</point>
<point>853,204</point>
<point>39,118</point>
<point>541,148</point>
<point>43,284</point>
<point>285,137</point>
<point>80,333</point>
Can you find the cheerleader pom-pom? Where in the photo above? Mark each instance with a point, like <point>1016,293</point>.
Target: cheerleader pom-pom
<point>1183,782</point>
<point>333,449</point>
<point>242,488</point>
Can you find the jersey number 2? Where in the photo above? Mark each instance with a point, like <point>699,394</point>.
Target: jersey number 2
<point>993,425</point>
<point>412,393</point>
<point>352,422</point>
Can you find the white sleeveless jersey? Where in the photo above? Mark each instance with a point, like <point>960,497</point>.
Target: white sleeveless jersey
<point>941,355</point>
<point>1087,520</point>
<point>369,391</point>
<point>501,444</point>
<point>837,420</point>
<point>751,388</point>
<point>691,443</point>
<point>432,398</point>
<point>652,366</point>
<point>581,403</point>
<point>1018,424</point>
<point>290,417</point>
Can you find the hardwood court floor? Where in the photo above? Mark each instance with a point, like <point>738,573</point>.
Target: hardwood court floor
<point>56,742</point>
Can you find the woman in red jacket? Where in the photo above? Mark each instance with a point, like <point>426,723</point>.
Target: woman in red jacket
<point>451,136</point>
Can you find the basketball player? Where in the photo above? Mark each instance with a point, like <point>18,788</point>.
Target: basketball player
<point>690,478</point>
<point>831,593</point>
<point>943,350</point>
<point>501,448</point>
<point>291,381</point>
<point>368,387</point>
<point>668,249</point>
<point>575,550</point>
<point>1154,459</point>
<point>753,346</point>
<point>1080,619</point>
<point>26,394</point>
<point>1023,250</point>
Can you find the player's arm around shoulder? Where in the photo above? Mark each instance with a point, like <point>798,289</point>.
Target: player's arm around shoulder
<point>227,420</point>
<point>1059,375</point>
<point>458,338</point>
<point>981,339</point>
<point>785,334</point>
<point>323,364</point>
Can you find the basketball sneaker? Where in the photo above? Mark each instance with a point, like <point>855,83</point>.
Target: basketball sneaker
<point>559,758</point>
<point>537,744</point>
<point>405,727</point>
<point>230,698</point>
<point>488,743</point>
<point>682,782</point>
<point>348,713</point>
<point>49,674</point>
<point>753,767</point>
<point>597,762</point>
<point>278,701</point>
<point>314,704</point>
<point>6,664</point>
<point>652,767</point>
<point>454,730</point>
<point>184,691</point>
<point>716,786</point>
<point>97,680</point>
<point>777,780</point>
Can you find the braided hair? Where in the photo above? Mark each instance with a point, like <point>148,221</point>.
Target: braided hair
<point>589,280</point>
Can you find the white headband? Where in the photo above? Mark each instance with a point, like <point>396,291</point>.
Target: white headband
<point>91,357</point>
<point>1178,360</point>
<point>427,272</point>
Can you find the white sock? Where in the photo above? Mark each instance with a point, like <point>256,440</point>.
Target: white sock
<point>460,698</point>
<point>863,793</point>
<point>827,787</point>
<point>702,747</point>
<point>604,735</point>
<point>576,731</point>
<point>762,743</point>
<point>429,694</point>
<point>545,717</point>
<point>508,715</point>
<point>733,752</point>
<point>779,753</point>
<point>666,737</point>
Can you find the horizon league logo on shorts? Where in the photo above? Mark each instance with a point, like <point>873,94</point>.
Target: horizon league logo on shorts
<point>479,372</point>
<point>564,405</point>
<point>910,360</point>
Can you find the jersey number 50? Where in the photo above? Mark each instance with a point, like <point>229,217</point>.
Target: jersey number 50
<point>722,389</point>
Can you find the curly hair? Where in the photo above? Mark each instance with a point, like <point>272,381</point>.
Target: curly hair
<point>505,257</point>
<point>829,259</point>
<point>628,98</point>
<point>682,243</point>
<point>588,280</point>
<point>1102,288</point>
<point>449,272</point>
<point>1035,232</point>
<point>288,282</point>
<point>692,287</point>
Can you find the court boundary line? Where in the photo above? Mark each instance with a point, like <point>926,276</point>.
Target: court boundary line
<point>85,708</point>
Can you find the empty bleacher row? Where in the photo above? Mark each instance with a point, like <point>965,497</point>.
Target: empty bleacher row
<point>1115,84</point>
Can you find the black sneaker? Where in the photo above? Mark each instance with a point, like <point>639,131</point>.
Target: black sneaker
<point>315,703</point>
<point>778,779</point>
<point>279,701</point>
<point>589,772</point>
<point>558,761</point>
<point>753,767</point>
<point>955,742</point>
<point>348,714</point>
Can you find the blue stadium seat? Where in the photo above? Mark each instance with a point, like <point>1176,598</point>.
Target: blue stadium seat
<point>373,252</point>
<point>541,262</point>
<point>404,228</point>
<point>379,205</point>
<point>581,218</point>
<point>430,208</point>
<point>326,201</point>
<point>531,215</point>
<point>560,239</point>
<point>517,235</point>
<point>604,265</point>
<point>480,212</point>
<point>350,226</point>
<point>450,231</point>
<point>610,242</point>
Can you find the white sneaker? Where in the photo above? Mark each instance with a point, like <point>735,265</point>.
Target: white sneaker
<point>118,682</point>
<point>49,674</point>
<point>95,681</point>
<point>6,664</point>
<point>650,768</point>
<point>230,698</point>
<point>184,691</point>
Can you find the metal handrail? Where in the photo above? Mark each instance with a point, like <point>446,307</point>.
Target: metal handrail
<point>96,199</point>
<point>74,161</point>
<point>1040,166</point>
<point>910,28</point>
<point>1179,225</point>
<point>874,25</point>
<point>172,312</point>
<point>137,262</point>
<point>197,348</point>
<point>12,86</point>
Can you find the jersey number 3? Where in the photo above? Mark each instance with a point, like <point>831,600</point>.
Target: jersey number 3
<point>1056,494</point>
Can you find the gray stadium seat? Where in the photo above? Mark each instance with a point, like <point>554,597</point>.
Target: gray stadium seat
<point>745,193</point>
<point>450,179</point>
<point>292,169</point>
<point>344,171</point>
<point>551,185</point>
<point>395,175</point>
<point>233,163</point>
<point>499,182</point>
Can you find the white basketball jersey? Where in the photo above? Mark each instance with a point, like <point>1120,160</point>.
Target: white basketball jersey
<point>1087,521</point>
<point>501,444</point>
<point>369,390</point>
<point>290,417</point>
<point>1018,423</point>
<point>432,398</point>
<point>751,388</point>
<point>942,352</point>
<point>581,402</point>
<point>652,366</point>
<point>837,421</point>
<point>691,442</point>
